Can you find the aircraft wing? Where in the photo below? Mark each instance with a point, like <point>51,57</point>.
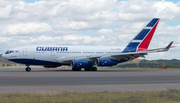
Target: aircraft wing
<point>144,52</point>
<point>70,58</point>
<point>122,55</point>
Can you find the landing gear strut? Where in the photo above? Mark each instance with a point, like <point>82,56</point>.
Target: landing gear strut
<point>86,69</point>
<point>28,69</point>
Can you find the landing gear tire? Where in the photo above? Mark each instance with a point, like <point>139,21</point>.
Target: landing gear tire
<point>73,69</point>
<point>94,69</point>
<point>86,69</point>
<point>79,69</point>
<point>76,69</point>
<point>90,69</point>
<point>28,69</point>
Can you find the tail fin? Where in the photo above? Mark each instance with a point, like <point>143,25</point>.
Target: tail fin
<point>143,39</point>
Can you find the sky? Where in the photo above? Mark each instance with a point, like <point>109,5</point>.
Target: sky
<point>89,22</point>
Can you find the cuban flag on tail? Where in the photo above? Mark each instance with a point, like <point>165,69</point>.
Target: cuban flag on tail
<point>142,40</point>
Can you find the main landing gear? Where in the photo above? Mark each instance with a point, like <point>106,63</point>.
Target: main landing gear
<point>28,69</point>
<point>86,69</point>
<point>90,69</point>
<point>76,69</point>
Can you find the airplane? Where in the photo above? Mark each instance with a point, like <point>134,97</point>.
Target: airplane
<point>87,57</point>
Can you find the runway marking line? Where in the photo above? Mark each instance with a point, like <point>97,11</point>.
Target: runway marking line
<point>50,87</point>
<point>20,75</point>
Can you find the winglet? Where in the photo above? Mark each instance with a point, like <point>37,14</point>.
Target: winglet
<point>169,46</point>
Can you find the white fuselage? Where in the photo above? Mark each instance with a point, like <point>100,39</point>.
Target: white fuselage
<point>56,54</point>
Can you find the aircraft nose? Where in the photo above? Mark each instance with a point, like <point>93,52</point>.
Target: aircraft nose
<point>2,55</point>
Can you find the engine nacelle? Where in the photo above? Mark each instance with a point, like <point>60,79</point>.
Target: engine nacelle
<point>106,62</point>
<point>81,64</point>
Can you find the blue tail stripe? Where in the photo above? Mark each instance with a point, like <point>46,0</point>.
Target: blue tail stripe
<point>133,44</point>
<point>153,22</point>
<point>131,47</point>
<point>142,34</point>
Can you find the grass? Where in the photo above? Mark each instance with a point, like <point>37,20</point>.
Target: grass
<point>164,96</point>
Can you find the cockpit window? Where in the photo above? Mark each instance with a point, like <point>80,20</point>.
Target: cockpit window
<point>9,51</point>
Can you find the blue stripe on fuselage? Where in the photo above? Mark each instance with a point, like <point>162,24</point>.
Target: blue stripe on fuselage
<point>35,62</point>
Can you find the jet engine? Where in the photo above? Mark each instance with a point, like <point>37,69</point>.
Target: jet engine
<point>106,62</point>
<point>81,64</point>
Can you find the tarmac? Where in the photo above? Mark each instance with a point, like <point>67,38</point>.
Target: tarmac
<point>40,80</point>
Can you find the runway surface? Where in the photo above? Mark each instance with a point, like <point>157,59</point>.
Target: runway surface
<point>54,80</point>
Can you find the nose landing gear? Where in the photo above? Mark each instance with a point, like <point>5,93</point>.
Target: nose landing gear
<point>28,69</point>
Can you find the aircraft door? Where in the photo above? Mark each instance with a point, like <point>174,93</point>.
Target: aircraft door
<point>24,52</point>
<point>52,53</point>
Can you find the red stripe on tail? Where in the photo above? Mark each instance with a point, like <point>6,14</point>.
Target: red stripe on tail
<point>145,43</point>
